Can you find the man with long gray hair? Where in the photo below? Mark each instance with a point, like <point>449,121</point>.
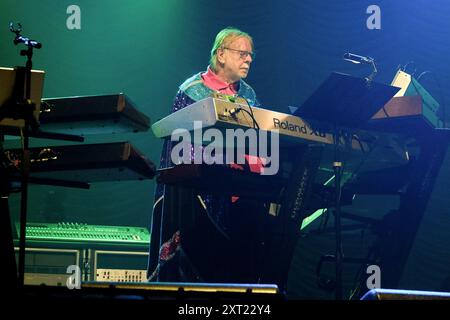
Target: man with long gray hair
<point>204,237</point>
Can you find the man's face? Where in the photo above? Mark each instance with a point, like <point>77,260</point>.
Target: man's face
<point>236,59</point>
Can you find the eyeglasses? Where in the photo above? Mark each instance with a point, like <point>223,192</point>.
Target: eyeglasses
<point>243,54</point>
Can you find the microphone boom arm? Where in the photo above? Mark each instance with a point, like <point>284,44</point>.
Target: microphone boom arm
<point>362,59</point>
<point>374,72</point>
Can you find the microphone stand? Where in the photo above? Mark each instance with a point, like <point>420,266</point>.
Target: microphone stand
<point>24,102</point>
<point>339,255</point>
<point>337,169</point>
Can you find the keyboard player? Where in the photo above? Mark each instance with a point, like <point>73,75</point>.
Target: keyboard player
<point>203,237</point>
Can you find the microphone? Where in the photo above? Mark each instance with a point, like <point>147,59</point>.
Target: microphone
<point>357,59</point>
<point>28,42</point>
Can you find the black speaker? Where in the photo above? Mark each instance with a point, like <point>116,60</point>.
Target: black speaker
<point>393,294</point>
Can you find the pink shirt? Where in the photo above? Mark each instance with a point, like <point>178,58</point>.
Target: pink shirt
<point>212,81</point>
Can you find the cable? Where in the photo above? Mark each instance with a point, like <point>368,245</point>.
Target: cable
<point>363,160</point>
<point>255,123</point>
<point>385,112</point>
<point>405,67</point>
<point>358,279</point>
<point>441,94</point>
<point>239,109</point>
<point>355,136</point>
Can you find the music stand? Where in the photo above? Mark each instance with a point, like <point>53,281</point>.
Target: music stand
<point>344,101</point>
<point>9,83</point>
